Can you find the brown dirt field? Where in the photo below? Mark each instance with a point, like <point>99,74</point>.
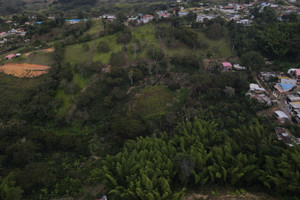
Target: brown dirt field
<point>24,69</point>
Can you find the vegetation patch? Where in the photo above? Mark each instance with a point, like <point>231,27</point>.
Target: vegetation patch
<point>153,101</point>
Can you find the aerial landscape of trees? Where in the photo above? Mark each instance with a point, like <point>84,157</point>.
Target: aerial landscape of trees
<point>143,111</point>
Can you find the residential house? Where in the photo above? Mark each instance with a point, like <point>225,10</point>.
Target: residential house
<point>163,14</point>
<point>282,89</point>
<point>9,57</point>
<point>227,66</point>
<point>2,34</point>
<point>238,67</point>
<point>295,73</point>
<point>147,18</point>
<point>256,89</point>
<point>110,17</point>
<point>245,22</point>
<point>266,76</point>
<point>282,117</point>
<point>202,17</point>
<point>258,93</point>
<point>182,13</point>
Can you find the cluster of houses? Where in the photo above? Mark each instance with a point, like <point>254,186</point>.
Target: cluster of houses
<point>141,19</point>
<point>284,89</point>
<point>228,66</point>
<point>259,93</point>
<point>5,36</point>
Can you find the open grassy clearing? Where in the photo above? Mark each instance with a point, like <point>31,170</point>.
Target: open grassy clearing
<point>113,45</point>
<point>219,48</point>
<point>68,98</point>
<point>153,101</point>
<point>76,53</point>
<point>146,35</point>
<point>67,102</point>
<point>97,26</point>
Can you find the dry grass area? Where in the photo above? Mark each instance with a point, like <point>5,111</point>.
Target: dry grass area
<point>24,69</point>
<point>49,50</point>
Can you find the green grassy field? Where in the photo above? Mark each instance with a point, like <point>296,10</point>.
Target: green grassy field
<point>153,101</point>
<point>68,98</point>
<point>97,26</point>
<point>219,48</point>
<point>146,35</point>
<point>67,102</point>
<point>77,54</point>
<point>113,45</point>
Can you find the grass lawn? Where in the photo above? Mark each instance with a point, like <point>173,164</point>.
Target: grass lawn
<point>113,45</point>
<point>146,35</point>
<point>219,48</point>
<point>77,54</point>
<point>153,101</point>
<point>97,26</point>
<point>67,102</point>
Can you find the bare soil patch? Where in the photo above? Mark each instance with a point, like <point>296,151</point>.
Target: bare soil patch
<point>24,69</point>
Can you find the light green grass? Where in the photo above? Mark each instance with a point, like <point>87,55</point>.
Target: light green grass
<point>153,101</point>
<point>67,102</point>
<point>146,35</point>
<point>113,45</point>
<point>97,26</point>
<point>76,53</point>
<point>220,48</point>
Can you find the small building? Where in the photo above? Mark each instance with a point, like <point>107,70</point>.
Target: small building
<point>266,76</point>
<point>282,117</point>
<point>293,98</point>
<point>182,14</point>
<point>18,54</point>
<point>295,73</point>
<point>227,65</point>
<point>10,56</point>
<point>110,17</point>
<point>147,18</point>
<point>254,88</point>
<point>238,67</point>
<point>245,22</point>
<point>3,34</point>
<point>281,89</point>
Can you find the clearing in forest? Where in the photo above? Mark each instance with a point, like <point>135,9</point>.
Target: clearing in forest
<point>24,69</point>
